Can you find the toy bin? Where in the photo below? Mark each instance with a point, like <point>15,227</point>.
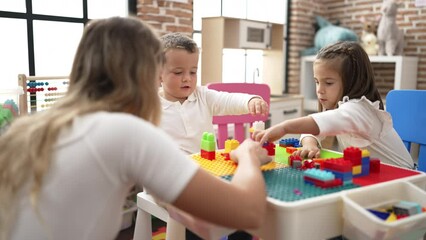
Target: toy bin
<point>9,104</point>
<point>359,223</point>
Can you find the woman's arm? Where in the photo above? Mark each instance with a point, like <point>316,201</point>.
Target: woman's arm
<point>239,204</point>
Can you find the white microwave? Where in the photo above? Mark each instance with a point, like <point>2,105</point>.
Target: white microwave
<point>254,34</point>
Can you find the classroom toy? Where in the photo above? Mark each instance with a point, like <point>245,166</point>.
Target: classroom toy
<point>270,147</point>
<point>208,146</point>
<point>230,145</point>
<point>289,142</point>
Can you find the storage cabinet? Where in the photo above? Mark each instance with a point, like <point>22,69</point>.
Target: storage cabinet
<point>284,108</point>
<point>227,33</point>
<point>405,76</point>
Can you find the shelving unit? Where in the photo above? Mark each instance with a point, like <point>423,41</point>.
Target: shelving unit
<point>285,108</point>
<point>405,76</point>
<point>224,32</point>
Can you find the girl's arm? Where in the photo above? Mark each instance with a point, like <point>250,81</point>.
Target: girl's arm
<point>239,204</point>
<point>295,126</point>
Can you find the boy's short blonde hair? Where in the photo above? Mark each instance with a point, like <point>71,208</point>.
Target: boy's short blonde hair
<point>178,41</point>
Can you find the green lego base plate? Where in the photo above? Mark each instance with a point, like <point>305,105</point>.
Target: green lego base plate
<point>287,184</point>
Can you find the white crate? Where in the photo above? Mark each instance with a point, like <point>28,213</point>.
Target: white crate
<point>359,223</point>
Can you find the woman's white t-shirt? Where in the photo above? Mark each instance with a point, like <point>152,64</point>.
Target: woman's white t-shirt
<point>95,163</point>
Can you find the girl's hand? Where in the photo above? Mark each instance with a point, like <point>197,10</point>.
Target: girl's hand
<point>309,150</point>
<point>250,150</point>
<point>258,106</point>
<point>308,153</point>
<point>270,135</point>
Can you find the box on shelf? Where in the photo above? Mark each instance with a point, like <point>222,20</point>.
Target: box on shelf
<point>9,104</point>
<point>359,223</point>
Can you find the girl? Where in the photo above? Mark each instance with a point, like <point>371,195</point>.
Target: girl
<point>350,108</point>
<point>65,172</point>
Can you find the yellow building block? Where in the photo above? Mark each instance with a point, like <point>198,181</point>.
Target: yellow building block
<point>231,144</point>
<point>356,170</point>
<point>365,153</point>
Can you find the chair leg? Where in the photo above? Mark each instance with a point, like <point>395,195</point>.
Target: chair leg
<point>143,226</point>
<point>175,230</point>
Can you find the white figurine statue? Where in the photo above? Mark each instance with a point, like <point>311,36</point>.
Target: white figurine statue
<point>389,36</point>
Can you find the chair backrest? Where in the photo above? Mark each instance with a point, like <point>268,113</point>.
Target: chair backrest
<point>238,121</point>
<point>408,111</point>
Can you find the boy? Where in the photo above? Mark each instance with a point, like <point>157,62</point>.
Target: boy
<point>188,109</point>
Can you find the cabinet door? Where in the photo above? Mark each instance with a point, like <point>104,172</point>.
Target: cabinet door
<point>284,110</point>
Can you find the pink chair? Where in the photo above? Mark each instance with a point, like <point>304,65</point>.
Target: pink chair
<point>238,121</point>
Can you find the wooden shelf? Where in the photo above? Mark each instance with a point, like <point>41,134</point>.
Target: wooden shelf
<point>222,32</point>
<point>405,76</point>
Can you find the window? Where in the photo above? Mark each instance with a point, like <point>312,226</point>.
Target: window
<point>40,37</point>
<point>239,65</point>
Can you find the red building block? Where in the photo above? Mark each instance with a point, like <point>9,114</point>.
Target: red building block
<point>324,184</point>
<point>290,149</point>
<point>353,154</point>
<point>270,147</point>
<point>291,158</point>
<point>337,164</point>
<point>374,165</point>
<point>208,155</point>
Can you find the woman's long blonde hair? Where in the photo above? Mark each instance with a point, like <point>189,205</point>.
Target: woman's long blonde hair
<point>115,69</point>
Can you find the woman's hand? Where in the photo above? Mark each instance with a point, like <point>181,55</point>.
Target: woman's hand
<point>250,149</point>
<point>258,106</point>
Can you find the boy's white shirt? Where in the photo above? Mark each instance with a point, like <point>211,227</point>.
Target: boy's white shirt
<point>186,122</point>
<point>361,123</point>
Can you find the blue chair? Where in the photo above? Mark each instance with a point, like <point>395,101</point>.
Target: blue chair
<point>408,111</point>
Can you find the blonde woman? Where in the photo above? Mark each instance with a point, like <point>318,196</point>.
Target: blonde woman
<point>65,172</point>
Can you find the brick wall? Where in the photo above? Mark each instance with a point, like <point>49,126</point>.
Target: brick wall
<point>410,19</point>
<point>167,16</point>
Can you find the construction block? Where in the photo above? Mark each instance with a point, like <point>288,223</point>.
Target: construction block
<point>365,153</point>
<point>258,125</point>
<point>289,142</point>
<point>356,170</point>
<point>210,155</point>
<point>231,144</point>
<point>353,154</point>
<point>296,164</point>
<point>208,142</point>
<point>319,174</point>
<point>292,158</point>
<point>270,147</point>
<point>406,208</point>
<point>290,150</point>
<point>323,184</point>
<point>374,165</point>
<point>337,164</point>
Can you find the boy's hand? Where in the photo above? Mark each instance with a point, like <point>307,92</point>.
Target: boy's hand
<point>258,106</point>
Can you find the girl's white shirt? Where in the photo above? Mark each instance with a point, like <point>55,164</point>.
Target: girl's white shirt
<point>361,123</point>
